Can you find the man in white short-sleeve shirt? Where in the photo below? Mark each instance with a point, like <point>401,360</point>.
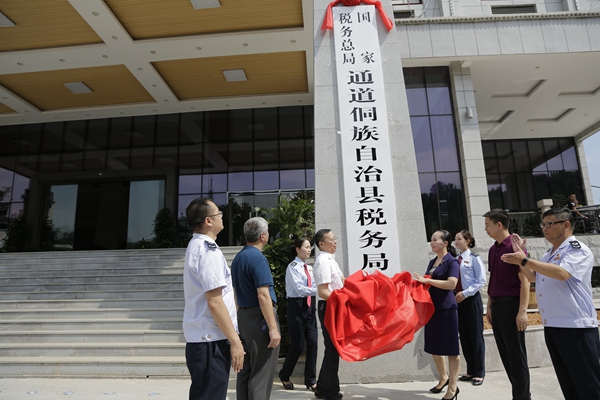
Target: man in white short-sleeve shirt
<point>563,286</point>
<point>209,317</point>
<point>328,277</point>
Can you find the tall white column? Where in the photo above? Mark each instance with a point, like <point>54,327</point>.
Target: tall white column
<point>410,362</point>
<point>470,150</point>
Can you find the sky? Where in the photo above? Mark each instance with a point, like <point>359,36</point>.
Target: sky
<point>592,154</point>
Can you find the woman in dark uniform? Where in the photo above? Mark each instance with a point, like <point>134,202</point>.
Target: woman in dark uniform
<point>301,318</point>
<point>441,332</point>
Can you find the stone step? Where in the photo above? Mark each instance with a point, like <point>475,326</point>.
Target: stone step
<point>84,257</point>
<point>102,269</point>
<point>100,349</point>
<point>92,336</point>
<point>92,313</point>
<point>91,265</point>
<point>94,279</point>
<point>94,294</point>
<point>75,304</point>
<point>107,367</point>
<point>101,286</point>
<point>23,324</point>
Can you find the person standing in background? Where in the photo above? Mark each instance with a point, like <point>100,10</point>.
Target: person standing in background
<point>257,315</point>
<point>441,331</point>
<point>508,297</point>
<point>328,277</point>
<point>300,289</point>
<point>470,307</point>
<point>563,282</point>
<point>209,316</point>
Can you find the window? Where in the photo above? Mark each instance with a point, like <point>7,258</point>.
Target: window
<point>434,134</point>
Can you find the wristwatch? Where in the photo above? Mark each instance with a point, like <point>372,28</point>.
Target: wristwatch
<point>524,261</point>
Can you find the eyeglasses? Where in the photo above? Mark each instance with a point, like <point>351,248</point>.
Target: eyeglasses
<point>220,213</point>
<point>333,239</point>
<point>544,225</point>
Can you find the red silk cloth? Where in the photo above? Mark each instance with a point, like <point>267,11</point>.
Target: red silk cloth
<point>328,21</point>
<point>374,314</point>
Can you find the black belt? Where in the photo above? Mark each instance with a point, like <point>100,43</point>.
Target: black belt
<point>503,299</point>
<point>245,308</point>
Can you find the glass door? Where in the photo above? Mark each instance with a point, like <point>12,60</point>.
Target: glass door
<point>61,202</point>
<point>146,198</point>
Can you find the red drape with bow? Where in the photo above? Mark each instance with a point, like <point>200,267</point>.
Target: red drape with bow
<point>374,314</point>
<point>328,21</point>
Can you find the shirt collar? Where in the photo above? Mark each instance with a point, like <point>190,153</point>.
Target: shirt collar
<point>204,237</point>
<point>505,242</point>
<point>465,253</point>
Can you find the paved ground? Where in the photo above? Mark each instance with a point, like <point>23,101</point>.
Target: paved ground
<point>495,387</point>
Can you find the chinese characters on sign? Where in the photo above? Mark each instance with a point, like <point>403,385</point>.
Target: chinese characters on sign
<point>366,160</point>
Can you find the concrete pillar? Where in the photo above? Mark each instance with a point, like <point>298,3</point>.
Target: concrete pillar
<point>587,184</point>
<point>409,363</point>
<point>470,150</point>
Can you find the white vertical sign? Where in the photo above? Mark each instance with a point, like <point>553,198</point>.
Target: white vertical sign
<point>366,160</point>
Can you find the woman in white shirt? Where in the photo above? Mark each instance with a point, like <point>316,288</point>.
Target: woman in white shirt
<point>470,307</point>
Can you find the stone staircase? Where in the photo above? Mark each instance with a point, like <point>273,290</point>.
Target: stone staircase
<point>93,313</point>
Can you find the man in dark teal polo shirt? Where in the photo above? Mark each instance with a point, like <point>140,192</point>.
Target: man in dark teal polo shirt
<point>257,318</point>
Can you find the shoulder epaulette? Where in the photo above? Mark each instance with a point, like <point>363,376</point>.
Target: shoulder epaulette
<point>474,254</point>
<point>575,244</point>
<point>211,245</point>
<point>294,263</point>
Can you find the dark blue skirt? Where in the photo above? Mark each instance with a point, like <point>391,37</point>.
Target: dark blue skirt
<point>441,333</point>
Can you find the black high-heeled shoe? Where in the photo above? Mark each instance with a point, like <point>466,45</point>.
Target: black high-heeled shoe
<point>436,390</point>
<point>455,397</point>
<point>312,387</point>
<point>287,386</point>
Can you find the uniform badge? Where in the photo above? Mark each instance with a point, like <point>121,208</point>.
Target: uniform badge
<point>465,262</point>
<point>575,244</point>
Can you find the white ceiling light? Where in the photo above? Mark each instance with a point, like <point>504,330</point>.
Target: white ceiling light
<point>78,87</point>
<point>234,75</point>
<point>200,4</point>
<point>5,21</point>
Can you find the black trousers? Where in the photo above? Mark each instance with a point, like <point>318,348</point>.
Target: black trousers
<point>208,363</point>
<point>470,328</point>
<point>511,346</point>
<point>328,382</point>
<point>302,327</point>
<point>575,354</point>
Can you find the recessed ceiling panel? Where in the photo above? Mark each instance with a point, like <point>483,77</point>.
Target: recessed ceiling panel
<point>45,90</point>
<point>519,88</point>
<point>41,24</point>
<point>4,109</point>
<point>149,19</point>
<point>267,74</point>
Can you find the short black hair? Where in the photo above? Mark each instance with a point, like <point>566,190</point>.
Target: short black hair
<point>497,215</point>
<point>196,212</point>
<point>320,236</point>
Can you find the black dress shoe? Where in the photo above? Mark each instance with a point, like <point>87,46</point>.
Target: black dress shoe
<point>465,378</point>
<point>287,386</point>
<point>318,393</point>
<point>338,396</point>
<point>435,389</point>
<point>477,382</point>
<point>455,397</point>
<point>312,387</point>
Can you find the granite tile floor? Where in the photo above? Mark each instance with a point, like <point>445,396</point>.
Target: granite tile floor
<point>496,387</point>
